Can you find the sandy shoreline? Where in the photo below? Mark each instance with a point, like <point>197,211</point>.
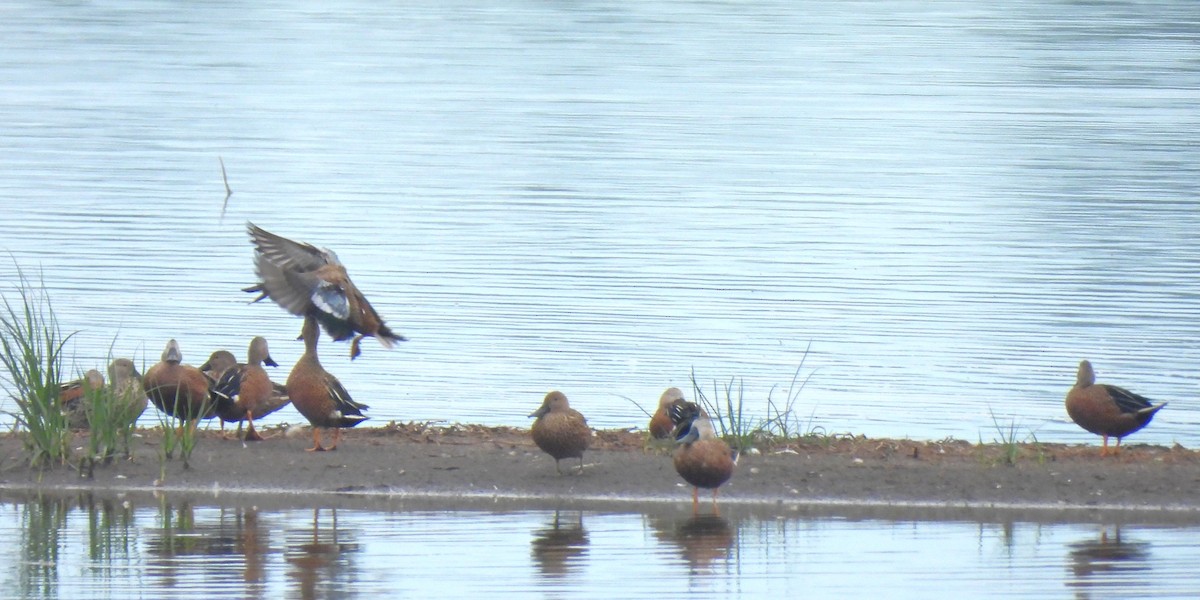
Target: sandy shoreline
<point>466,466</point>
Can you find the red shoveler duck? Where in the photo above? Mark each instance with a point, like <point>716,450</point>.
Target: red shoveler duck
<point>560,431</point>
<point>318,395</point>
<point>702,459</point>
<point>1107,410</point>
<point>128,394</point>
<point>661,425</point>
<point>179,390</point>
<point>75,396</point>
<point>218,362</point>
<point>247,391</point>
<point>311,282</point>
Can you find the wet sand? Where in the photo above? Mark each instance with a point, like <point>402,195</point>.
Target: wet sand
<point>463,464</point>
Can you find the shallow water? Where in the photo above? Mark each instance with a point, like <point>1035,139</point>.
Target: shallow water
<point>93,547</point>
<point>946,205</point>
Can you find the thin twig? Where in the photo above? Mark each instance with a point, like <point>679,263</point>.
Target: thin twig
<point>228,191</point>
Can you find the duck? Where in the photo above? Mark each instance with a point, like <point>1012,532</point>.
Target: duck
<point>127,389</point>
<point>1107,410</point>
<point>246,390</point>
<point>179,390</point>
<point>560,431</point>
<point>309,281</point>
<point>318,395</point>
<point>75,396</point>
<point>661,426</point>
<point>218,362</point>
<point>701,458</point>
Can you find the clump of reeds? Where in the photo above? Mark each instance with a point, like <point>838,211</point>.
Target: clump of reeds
<point>31,350</point>
<point>743,430</point>
<point>110,424</point>
<point>179,433</point>
<point>1010,440</point>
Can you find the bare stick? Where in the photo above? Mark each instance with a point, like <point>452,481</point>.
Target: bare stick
<point>228,192</point>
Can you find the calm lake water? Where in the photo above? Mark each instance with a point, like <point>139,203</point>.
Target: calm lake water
<point>114,548</point>
<point>946,205</point>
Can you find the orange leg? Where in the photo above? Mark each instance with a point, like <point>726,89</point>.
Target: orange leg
<point>695,500</point>
<point>716,510</point>
<point>1104,449</point>
<point>251,434</point>
<point>316,441</point>
<point>337,437</point>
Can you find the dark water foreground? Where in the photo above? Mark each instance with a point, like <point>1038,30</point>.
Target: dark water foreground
<point>181,545</point>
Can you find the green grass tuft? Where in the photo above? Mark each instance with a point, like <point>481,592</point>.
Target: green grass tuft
<point>31,350</point>
<point>741,427</point>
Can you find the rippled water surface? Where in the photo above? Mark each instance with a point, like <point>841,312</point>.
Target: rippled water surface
<point>946,204</point>
<point>86,547</point>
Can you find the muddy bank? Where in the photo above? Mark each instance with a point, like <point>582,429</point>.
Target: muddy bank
<point>472,464</point>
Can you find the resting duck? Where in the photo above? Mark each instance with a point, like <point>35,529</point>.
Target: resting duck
<point>702,459</point>
<point>310,281</point>
<point>127,390</point>
<point>318,395</point>
<point>661,425</point>
<point>560,431</point>
<point>181,391</point>
<point>218,362</point>
<point>75,396</point>
<point>1107,410</point>
<point>246,391</point>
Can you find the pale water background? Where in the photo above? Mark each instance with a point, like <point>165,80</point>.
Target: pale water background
<point>112,549</point>
<point>952,202</point>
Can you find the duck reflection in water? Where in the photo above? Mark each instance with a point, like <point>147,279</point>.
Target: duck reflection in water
<point>235,547</point>
<point>703,540</point>
<point>319,567</point>
<point>560,546</point>
<point>111,532</point>
<point>1108,562</point>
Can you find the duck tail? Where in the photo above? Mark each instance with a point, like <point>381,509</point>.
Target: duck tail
<point>351,420</point>
<point>1150,410</point>
<point>387,337</point>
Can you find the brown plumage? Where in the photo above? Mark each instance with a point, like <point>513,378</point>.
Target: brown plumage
<point>318,395</point>
<point>702,459</point>
<point>311,282</point>
<point>128,394</point>
<point>179,390</point>
<point>248,391</point>
<point>661,425</point>
<point>560,431</point>
<point>218,362</point>
<point>1107,410</point>
<point>75,396</point>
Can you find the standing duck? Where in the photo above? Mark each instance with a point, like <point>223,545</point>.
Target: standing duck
<point>1107,410</point>
<point>310,281</point>
<point>560,431</point>
<point>318,395</point>
<point>702,459</point>
<point>180,390</point>
<point>247,390</point>
<point>127,390</point>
